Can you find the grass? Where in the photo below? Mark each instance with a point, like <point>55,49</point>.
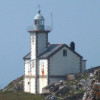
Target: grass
<point>27,96</point>
<point>19,96</point>
<point>73,93</point>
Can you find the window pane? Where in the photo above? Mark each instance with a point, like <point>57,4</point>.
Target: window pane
<point>35,22</point>
<point>40,22</point>
<point>64,52</point>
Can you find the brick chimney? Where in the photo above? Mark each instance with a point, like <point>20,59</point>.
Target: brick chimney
<point>72,46</point>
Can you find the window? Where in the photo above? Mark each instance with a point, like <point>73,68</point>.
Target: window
<point>42,68</point>
<point>64,52</point>
<point>40,22</point>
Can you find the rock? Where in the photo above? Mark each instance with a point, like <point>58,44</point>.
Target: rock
<point>70,77</point>
<point>62,91</point>
<point>50,97</point>
<point>91,75</point>
<point>15,85</point>
<point>52,87</point>
<point>93,91</point>
<point>74,86</point>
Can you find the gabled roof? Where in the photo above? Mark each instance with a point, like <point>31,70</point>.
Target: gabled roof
<point>52,49</point>
<point>28,56</point>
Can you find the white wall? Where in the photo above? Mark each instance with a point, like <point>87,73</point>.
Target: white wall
<point>62,65</point>
<point>27,67</point>
<point>26,85</point>
<point>33,45</point>
<point>33,85</point>
<point>29,71</point>
<point>40,64</point>
<point>43,81</point>
<point>26,72</point>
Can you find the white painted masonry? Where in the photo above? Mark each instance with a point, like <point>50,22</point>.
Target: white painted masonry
<point>42,81</point>
<point>43,62</point>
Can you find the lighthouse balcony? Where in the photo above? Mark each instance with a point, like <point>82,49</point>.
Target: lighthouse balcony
<point>39,29</point>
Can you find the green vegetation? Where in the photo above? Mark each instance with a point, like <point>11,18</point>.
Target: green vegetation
<point>14,89</point>
<point>19,96</point>
<point>73,93</point>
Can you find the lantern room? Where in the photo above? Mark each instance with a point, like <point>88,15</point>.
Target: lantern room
<point>39,22</point>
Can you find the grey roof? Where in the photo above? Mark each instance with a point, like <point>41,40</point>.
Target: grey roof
<point>27,56</point>
<point>52,49</point>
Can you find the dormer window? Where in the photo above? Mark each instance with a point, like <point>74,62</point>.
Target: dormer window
<point>64,52</point>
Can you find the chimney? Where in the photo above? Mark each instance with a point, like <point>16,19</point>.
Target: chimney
<point>48,43</point>
<point>72,46</point>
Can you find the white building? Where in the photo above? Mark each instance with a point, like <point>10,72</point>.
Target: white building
<point>47,63</point>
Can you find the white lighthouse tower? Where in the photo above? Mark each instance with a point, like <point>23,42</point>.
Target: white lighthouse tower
<point>39,45</point>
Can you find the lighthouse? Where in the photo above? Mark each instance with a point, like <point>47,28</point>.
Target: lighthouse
<point>45,63</point>
<point>39,45</point>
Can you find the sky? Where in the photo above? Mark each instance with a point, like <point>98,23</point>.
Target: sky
<point>73,20</point>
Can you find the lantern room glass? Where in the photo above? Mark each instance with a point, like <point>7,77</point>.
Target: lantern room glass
<point>39,22</point>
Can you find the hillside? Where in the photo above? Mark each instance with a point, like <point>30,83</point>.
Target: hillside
<point>19,96</point>
<point>15,86</point>
<point>75,88</point>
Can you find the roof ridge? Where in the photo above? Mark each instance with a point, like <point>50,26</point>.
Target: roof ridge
<point>57,44</point>
<point>52,49</point>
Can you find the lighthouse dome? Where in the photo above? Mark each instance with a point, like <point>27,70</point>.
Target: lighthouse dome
<point>39,16</point>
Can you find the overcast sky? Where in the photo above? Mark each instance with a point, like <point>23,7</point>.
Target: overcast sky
<point>73,20</point>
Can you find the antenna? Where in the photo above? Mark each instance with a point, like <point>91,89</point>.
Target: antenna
<point>38,7</point>
<point>51,21</point>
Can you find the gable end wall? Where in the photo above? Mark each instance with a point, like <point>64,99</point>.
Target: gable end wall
<point>62,65</point>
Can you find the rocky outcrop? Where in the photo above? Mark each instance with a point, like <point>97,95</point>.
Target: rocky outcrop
<point>93,90</point>
<point>77,88</point>
<point>15,85</point>
<point>75,97</point>
<point>85,83</point>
